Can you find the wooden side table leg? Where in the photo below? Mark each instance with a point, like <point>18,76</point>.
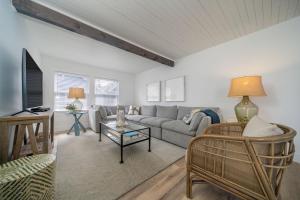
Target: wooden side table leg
<point>20,136</point>
<point>45,135</point>
<point>52,128</point>
<point>15,134</point>
<point>32,138</point>
<point>37,129</point>
<point>4,142</point>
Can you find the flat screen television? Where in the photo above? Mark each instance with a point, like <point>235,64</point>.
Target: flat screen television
<point>32,82</point>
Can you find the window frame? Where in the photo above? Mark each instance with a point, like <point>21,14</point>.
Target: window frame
<point>87,93</point>
<point>107,79</point>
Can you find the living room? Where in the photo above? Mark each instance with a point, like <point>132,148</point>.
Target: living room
<point>198,50</point>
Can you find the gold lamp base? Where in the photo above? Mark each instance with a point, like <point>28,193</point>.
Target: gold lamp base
<point>245,110</point>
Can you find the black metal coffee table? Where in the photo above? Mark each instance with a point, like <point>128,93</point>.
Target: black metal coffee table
<point>127,135</point>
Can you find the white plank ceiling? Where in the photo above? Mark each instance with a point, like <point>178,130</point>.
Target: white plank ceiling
<point>177,28</point>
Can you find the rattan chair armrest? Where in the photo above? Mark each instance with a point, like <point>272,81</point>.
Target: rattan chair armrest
<point>217,138</point>
<point>230,129</point>
<point>212,156</point>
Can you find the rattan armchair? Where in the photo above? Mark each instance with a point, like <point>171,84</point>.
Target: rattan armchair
<point>248,167</point>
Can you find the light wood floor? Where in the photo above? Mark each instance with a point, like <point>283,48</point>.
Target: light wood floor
<point>170,185</point>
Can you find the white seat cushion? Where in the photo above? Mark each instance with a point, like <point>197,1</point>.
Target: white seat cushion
<point>257,127</point>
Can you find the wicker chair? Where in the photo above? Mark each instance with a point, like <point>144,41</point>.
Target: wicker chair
<point>28,178</point>
<point>248,167</point>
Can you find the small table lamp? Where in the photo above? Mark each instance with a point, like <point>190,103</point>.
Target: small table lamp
<point>246,86</point>
<point>77,93</point>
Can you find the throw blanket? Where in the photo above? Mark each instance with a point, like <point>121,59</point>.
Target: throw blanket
<point>213,115</point>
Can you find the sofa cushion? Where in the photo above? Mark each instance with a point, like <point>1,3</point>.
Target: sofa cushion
<point>111,117</point>
<point>148,111</point>
<point>183,111</point>
<point>127,108</point>
<point>135,118</point>
<point>111,110</point>
<point>108,110</point>
<point>154,121</point>
<point>197,117</point>
<point>103,112</point>
<point>178,126</point>
<point>188,118</point>
<point>169,112</point>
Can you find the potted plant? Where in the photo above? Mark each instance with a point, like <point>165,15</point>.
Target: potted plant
<point>71,107</point>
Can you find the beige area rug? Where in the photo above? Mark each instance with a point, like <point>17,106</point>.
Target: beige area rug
<point>88,169</point>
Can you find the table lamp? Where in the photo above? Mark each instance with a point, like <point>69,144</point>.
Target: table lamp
<point>77,93</point>
<point>246,86</point>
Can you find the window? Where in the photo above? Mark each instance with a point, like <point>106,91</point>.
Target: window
<point>62,83</point>
<point>106,92</point>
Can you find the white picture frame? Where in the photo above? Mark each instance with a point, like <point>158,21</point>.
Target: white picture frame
<point>153,92</point>
<point>175,89</point>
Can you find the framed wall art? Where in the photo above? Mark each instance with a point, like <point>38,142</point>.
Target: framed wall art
<point>175,89</point>
<point>153,91</point>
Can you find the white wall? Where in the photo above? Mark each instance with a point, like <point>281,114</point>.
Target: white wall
<point>12,39</point>
<point>273,53</point>
<point>48,44</point>
<point>50,65</point>
<point>19,31</point>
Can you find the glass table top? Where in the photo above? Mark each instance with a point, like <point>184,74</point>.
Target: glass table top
<point>127,128</point>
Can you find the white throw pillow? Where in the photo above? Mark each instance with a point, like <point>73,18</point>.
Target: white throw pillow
<point>257,127</point>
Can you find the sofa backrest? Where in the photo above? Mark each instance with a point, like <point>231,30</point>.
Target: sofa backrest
<point>126,109</point>
<point>184,110</point>
<point>111,110</point>
<point>169,112</point>
<point>148,111</point>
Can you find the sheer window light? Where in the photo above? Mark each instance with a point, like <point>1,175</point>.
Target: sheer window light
<point>106,92</point>
<point>62,83</point>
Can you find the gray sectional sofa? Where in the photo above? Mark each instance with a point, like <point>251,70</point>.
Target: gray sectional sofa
<point>165,121</point>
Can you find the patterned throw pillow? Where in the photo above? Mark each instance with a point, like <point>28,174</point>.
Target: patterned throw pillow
<point>134,110</point>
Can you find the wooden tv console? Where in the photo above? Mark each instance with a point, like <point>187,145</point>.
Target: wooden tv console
<point>39,143</point>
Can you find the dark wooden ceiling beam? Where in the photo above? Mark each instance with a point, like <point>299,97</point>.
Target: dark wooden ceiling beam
<point>46,14</point>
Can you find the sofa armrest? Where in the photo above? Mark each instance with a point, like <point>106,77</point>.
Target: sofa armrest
<point>204,123</point>
<point>94,119</point>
